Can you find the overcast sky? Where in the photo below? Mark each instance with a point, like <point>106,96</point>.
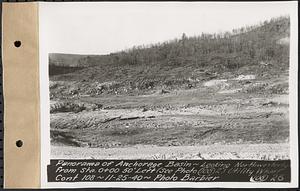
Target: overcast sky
<point>102,28</point>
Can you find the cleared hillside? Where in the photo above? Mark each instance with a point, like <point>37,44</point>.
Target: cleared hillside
<point>184,62</point>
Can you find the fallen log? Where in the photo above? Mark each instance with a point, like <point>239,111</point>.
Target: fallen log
<point>110,119</point>
<point>131,118</point>
<point>136,117</point>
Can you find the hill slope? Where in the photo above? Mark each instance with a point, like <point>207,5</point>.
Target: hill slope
<point>262,50</point>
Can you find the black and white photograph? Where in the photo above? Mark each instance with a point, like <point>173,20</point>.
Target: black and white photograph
<point>170,81</point>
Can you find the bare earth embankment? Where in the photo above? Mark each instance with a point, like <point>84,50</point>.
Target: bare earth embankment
<point>203,122</point>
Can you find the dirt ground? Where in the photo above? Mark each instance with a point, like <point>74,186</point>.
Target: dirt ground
<point>215,151</point>
<point>217,120</point>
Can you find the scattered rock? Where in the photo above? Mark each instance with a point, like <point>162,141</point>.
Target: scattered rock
<point>215,83</point>
<point>164,91</point>
<point>270,103</point>
<point>144,109</point>
<point>245,77</point>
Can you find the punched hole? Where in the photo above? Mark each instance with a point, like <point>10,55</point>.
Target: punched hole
<point>19,143</point>
<point>17,43</point>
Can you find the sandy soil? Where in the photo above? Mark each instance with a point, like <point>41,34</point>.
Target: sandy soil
<point>198,123</point>
<point>216,151</point>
